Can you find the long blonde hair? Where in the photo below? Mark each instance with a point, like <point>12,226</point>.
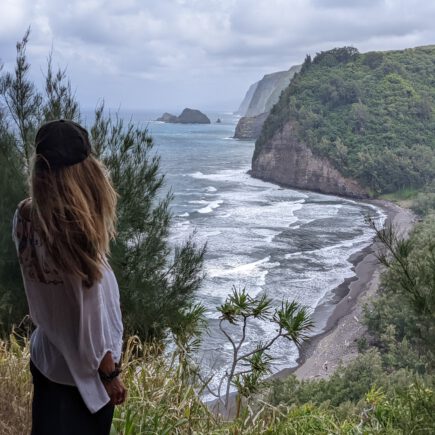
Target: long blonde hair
<point>74,213</point>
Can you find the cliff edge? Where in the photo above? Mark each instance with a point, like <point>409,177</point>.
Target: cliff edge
<point>287,161</point>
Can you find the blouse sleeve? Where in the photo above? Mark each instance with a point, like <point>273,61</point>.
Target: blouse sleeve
<point>74,318</point>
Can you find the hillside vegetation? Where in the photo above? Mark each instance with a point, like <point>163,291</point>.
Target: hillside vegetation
<point>372,115</point>
<point>389,389</point>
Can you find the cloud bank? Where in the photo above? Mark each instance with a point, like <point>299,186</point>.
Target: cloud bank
<point>147,54</point>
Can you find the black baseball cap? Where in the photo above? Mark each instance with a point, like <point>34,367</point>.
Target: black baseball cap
<point>62,143</point>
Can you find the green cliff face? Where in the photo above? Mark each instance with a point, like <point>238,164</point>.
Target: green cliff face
<point>369,116</point>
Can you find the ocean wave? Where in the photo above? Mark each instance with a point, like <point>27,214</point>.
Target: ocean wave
<point>242,269</point>
<point>210,207</point>
<point>197,174</point>
<point>198,201</point>
<point>275,215</point>
<point>266,233</point>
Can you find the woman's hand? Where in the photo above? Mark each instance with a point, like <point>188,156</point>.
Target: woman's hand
<point>116,391</point>
<point>115,387</point>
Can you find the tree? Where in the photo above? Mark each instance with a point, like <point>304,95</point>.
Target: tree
<point>248,367</point>
<point>157,282</point>
<point>23,102</point>
<point>155,289</point>
<point>407,303</point>
<point>13,304</point>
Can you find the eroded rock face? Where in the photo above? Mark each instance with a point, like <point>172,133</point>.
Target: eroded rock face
<point>290,163</point>
<point>249,127</point>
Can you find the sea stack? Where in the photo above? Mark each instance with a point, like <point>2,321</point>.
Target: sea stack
<point>167,117</point>
<point>188,116</point>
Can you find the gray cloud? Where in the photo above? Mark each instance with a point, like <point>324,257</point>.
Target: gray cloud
<point>148,54</point>
<point>347,4</point>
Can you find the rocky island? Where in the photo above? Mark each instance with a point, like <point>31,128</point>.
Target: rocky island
<point>188,116</point>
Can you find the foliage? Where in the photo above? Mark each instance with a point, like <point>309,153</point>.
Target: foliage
<point>424,202</point>
<point>154,287</point>
<point>401,320</point>
<point>390,386</point>
<point>249,367</point>
<point>13,305</point>
<point>160,401</point>
<point>349,383</point>
<point>370,114</point>
<point>157,281</point>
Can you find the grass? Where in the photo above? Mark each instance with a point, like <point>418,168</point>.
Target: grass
<point>403,197</point>
<point>15,386</point>
<point>159,399</point>
<point>162,400</point>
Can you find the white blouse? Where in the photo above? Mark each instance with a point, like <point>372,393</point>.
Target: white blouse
<point>75,326</point>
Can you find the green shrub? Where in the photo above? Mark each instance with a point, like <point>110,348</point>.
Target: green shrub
<point>348,383</point>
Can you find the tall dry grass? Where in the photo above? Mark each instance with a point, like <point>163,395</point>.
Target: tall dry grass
<point>163,400</point>
<point>160,399</point>
<point>15,386</point>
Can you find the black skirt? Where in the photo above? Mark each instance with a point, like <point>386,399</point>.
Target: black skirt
<point>60,410</point>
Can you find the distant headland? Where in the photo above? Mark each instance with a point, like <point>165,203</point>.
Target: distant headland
<point>188,116</point>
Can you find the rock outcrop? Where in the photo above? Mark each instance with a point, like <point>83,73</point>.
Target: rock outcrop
<point>188,116</point>
<point>285,160</point>
<point>167,117</point>
<point>249,127</point>
<point>192,116</point>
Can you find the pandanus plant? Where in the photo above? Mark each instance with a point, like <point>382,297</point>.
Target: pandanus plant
<point>248,368</point>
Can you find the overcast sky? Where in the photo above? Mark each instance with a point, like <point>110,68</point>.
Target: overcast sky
<point>169,54</point>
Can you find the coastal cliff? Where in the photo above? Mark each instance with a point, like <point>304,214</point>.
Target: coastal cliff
<point>259,100</point>
<point>268,90</point>
<point>287,161</point>
<point>244,105</point>
<point>249,127</point>
<point>353,124</point>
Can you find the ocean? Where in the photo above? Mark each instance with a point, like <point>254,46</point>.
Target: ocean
<point>290,244</point>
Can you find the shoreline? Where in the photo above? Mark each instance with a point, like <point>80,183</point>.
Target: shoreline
<point>336,344</point>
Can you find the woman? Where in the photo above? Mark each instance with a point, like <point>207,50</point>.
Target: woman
<point>62,235</point>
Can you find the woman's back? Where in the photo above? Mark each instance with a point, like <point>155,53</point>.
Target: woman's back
<point>76,325</point>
